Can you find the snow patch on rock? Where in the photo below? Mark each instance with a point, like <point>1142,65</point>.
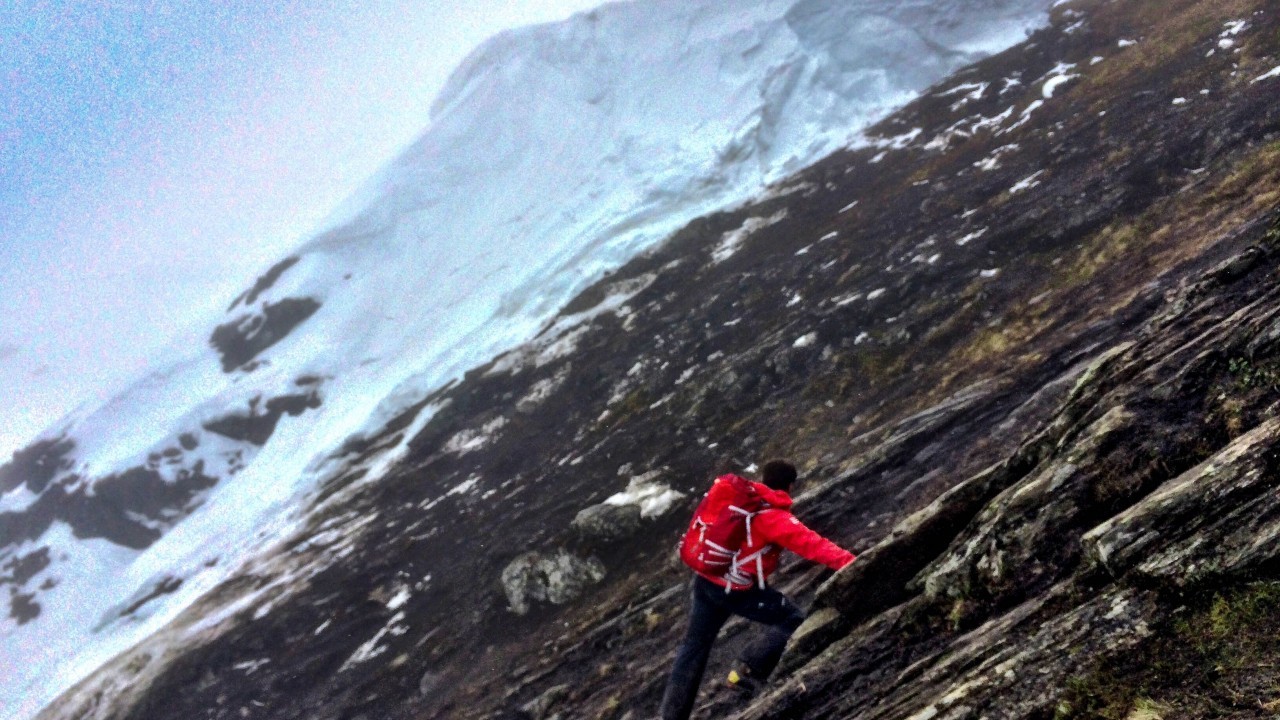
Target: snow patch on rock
<point>731,241</point>
<point>473,439</point>
<point>654,498</point>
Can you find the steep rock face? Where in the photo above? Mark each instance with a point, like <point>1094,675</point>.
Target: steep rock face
<point>1078,555</point>
<point>1024,351</point>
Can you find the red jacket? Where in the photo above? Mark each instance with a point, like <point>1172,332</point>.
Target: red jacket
<point>777,528</point>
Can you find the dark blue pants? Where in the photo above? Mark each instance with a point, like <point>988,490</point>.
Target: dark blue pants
<point>711,607</point>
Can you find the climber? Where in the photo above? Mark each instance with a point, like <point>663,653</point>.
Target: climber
<point>733,543</point>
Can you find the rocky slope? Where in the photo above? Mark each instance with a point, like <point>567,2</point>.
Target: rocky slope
<point>554,153</point>
<point>1026,351</point>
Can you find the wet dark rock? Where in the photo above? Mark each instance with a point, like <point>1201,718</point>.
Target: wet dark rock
<point>22,568</point>
<point>23,608</point>
<point>429,683</point>
<point>164,587</point>
<point>264,283</point>
<point>259,424</point>
<point>1214,523</point>
<point>540,707</point>
<point>1191,524</point>
<point>36,465</point>
<point>606,523</point>
<point>128,509</point>
<point>240,340</point>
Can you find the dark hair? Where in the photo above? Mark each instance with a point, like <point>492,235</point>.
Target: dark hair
<point>778,474</point>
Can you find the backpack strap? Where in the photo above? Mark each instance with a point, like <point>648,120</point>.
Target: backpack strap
<point>747,515</point>
<point>735,574</point>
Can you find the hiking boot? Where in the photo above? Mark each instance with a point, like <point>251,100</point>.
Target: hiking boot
<point>740,680</point>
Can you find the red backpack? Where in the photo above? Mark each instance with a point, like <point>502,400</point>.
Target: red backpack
<point>720,530</point>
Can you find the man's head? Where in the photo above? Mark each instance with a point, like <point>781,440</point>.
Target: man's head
<point>778,474</point>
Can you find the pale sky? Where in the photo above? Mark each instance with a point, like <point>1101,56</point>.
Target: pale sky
<point>158,155</point>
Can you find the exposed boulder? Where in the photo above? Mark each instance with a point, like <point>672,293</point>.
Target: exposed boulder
<point>606,522</point>
<point>623,514</point>
<point>555,577</point>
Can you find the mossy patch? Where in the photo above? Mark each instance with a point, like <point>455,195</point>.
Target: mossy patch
<point>1218,655</point>
<point>1185,26</point>
<point>1241,398</point>
<point>634,403</point>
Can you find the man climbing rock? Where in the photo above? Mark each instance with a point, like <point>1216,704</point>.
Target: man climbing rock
<point>733,543</point>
